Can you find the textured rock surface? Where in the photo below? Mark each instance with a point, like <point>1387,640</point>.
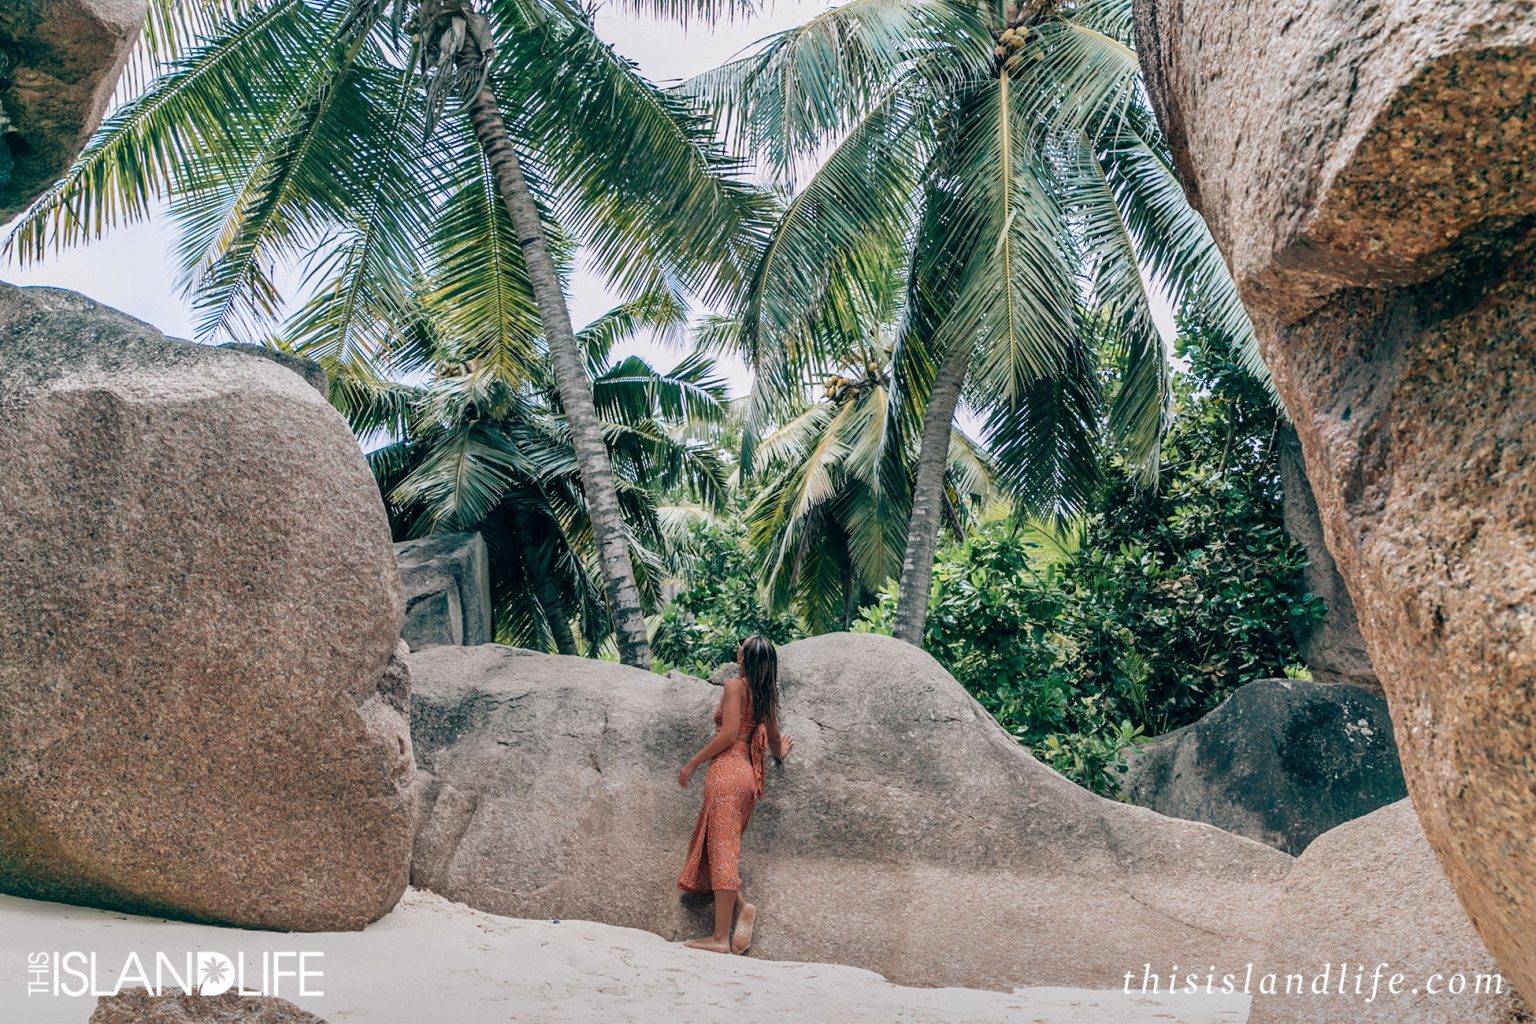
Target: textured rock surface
<point>310,370</point>
<point>447,590</point>
<point>1370,892</point>
<point>1281,761</point>
<point>1331,147</point>
<point>59,62</point>
<point>1370,174</point>
<point>198,604</point>
<point>1332,647</point>
<point>136,1006</point>
<point>907,833</point>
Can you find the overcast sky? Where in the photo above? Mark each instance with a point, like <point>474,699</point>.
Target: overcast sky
<point>131,268</point>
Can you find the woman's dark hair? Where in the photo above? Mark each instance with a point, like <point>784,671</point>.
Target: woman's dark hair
<point>760,668</point>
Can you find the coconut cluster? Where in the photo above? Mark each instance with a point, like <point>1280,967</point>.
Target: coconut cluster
<point>1011,42</point>
<point>838,388</point>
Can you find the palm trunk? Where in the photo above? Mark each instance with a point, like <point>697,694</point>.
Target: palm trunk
<point>928,496</point>
<point>597,482</point>
<point>849,600</point>
<point>555,615</point>
<point>540,580</point>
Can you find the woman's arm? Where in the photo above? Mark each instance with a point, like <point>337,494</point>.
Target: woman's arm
<point>731,710</point>
<point>779,744</point>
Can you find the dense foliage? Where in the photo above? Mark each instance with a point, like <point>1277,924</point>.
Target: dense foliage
<point>1135,620</point>
<point>493,455</point>
<point>1164,602</point>
<point>719,603</point>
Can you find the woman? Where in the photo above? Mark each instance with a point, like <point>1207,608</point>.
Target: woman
<point>747,722</point>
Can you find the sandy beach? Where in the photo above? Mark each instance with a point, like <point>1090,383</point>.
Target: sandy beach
<point>436,962</point>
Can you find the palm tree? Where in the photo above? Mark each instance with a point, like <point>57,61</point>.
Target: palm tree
<point>833,480</point>
<point>1001,151</point>
<point>473,452</point>
<point>307,131</point>
<point>827,519</point>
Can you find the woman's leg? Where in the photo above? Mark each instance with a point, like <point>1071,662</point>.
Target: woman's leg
<point>746,914</point>
<point>725,911</point>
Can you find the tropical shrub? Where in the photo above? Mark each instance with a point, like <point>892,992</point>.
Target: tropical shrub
<point>1163,602</point>
<point>719,602</point>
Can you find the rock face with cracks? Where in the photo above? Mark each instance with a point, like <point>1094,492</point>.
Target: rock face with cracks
<point>907,832</point>
<point>202,714</point>
<point>1332,647</point>
<point>447,590</point>
<point>1369,172</point>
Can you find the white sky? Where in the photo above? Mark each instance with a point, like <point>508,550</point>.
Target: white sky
<point>130,269</point>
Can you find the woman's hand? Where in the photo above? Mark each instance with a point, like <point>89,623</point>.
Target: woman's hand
<point>686,774</point>
<point>786,744</point>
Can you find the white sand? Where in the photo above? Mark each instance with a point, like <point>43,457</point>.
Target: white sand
<point>434,961</point>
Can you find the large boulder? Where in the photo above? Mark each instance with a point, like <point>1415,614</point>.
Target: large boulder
<point>1281,761</point>
<point>1332,646</point>
<point>907,833</point>
<point>1367,170</point>
<point>447,585</point>
<point>198,608</point>
<point>1370,893</point>
<point>59,62</point>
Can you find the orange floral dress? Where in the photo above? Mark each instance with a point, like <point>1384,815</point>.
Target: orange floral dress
<point>732,785</point>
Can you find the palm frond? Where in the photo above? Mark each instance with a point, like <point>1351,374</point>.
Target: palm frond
<point>686,12</point>
<point>249,209</point>
<point>477,285</point>
<point>638,175</point>
<point>689,392</point>
<point>1142,404</point>
<point>1079,70</point>
<point>661,312</point>
<point>1173,243</point>
<point>809,85</point>
<point>838,239</point>
<point>465,474</point>
<point>994,267</point>
<point>1044,441</point>
<point>171,29</point>
<point>361,304</point>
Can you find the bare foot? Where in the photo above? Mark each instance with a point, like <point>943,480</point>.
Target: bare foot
<point>741,938</point>
<point>709,944</point>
